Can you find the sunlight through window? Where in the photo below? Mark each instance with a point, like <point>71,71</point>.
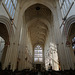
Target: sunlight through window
<point>11,7</point>
<point>38,54</point>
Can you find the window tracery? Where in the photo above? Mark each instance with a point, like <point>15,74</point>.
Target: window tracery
<point>38,54</point>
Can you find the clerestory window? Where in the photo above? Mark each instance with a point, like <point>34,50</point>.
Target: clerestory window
<point>65,5</point>
<point>10,6</point>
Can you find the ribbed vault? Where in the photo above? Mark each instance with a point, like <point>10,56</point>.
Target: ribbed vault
<point>37,29</point>
<point>38,32</point>
<point>38,11</point>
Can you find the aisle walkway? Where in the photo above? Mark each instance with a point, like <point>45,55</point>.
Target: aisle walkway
<point>39,73</point>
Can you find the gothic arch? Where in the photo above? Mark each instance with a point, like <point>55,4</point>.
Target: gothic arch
<point>68,36</point>
<point>8,24</point>
<point>29,3</point>
<point>68,24</point>
<point>38,21</point>
<point>6,32</point>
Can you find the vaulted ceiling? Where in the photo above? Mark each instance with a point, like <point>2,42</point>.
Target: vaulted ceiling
<point>38,32</point>
<point>37,29</point>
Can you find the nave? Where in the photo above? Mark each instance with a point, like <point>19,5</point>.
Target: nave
<point>36,35</point>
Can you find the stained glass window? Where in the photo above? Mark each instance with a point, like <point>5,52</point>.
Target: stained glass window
<point>38,54</point>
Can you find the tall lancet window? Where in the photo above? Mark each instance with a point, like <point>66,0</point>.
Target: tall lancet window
<point>38,54</point>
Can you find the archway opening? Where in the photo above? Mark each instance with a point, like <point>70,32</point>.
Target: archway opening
<point>39,21</point>
<point>2,44</point>
<point>4,41</point>
<point>71,37</point>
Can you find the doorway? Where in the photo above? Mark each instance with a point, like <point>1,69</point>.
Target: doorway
<point>38,67</point>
